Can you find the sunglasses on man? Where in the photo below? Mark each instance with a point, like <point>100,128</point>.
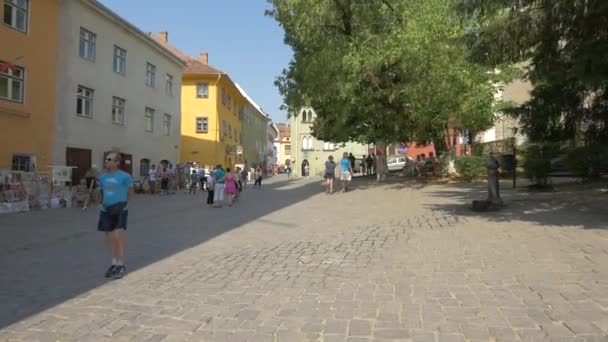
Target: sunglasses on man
<point>110,160</point>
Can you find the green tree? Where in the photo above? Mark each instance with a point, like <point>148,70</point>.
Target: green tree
<point>383,71</point>
<point>564,44</point>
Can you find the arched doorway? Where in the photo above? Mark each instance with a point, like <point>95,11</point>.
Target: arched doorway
<point>305,168</point>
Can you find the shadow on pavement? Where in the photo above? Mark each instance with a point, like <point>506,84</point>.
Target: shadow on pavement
<point>48,257</point>
<point>574,207</point>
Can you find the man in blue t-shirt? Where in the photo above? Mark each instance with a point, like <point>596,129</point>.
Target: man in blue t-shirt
<point>116,187</point>
<point>345,171</point>
<point>219,174</point>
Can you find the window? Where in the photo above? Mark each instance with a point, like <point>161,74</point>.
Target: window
<point>23,163</point>
<point>150,75</point>
<point>229,102</point>
<point>15,14</point>
<point>84,102</point>
<point>223,97</point>
<point>12,83</point>
<point>169,85</point>
<point>118,110</point>
<point>144,167</point>
<point>329,146</point>
<point>87,45</point>
<point>287,149</point>
<point>236,135</point>
<point>202,90</point>
<point>120,60</point>
<point>202,125</point>
<point>224,127</point>
<point>167,124</point>
<point>230,131</point>
<point>307,143</point>
<point>149,119</point>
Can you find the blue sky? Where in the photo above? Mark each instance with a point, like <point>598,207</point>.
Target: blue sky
<point>239,38</point>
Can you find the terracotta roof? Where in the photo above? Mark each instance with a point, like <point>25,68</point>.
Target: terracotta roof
<point>193,65</point>
<point>284,131</point>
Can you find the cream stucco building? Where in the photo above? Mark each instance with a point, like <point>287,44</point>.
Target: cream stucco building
<point>118,90</point>
<point>306,148</point>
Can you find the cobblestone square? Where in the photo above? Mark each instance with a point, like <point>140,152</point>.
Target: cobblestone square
<point>394,262</point>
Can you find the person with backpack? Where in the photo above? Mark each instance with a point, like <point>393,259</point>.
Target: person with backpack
<point>330,175</point>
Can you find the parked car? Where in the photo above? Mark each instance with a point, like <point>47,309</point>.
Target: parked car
<point>398,163</point>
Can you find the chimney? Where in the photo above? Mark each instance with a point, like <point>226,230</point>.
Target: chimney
<point>204,58</point>
<point>164,35</point>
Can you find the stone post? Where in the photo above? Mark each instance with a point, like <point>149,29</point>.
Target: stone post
<point>493,184</point>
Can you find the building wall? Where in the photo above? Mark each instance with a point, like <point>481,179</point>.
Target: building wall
<point>518,93</point>
<point>27,128</point>
<point>255,136</point>
<point>98,133</point>
<point>200,147</point>
<point>318,155</point>
<point>230,138</point>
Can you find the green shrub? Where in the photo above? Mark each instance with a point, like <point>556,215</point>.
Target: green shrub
<point>537,163</point>
<point>470,167</point>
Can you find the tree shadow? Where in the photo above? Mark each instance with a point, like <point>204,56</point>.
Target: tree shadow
<point>49,257</point>
<point>574,206</point>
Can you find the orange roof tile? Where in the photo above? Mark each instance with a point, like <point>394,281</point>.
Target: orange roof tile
<point>193,65</point>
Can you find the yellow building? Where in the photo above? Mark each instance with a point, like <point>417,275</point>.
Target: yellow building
<point>284,144</point>
<point>29,36</point>
<point>212,112</point>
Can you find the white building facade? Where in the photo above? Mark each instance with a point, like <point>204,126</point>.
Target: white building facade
<point>273,146</point>
<point>118,90</point>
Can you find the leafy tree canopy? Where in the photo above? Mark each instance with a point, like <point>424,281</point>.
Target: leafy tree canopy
<point>564,43</point>
<point>383,70</point>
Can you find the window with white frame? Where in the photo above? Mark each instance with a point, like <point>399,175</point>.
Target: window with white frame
<point>169,85</point>
<point>120,60</point>
<point>87,44</point>
<point>202,90</point>
<point>149,119</point>
<point>150,75</point>
<point>167,124</point>
<point>202,125</point>
<point>12,83</point>
<point>118,110</point>
<point>16,14</point>
<point>327,146</point>
<point>84,102</point>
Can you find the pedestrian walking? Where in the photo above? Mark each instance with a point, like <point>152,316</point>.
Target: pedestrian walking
<point>210,182</point>
<point>352,160</point>
<point>369,163</point>
<point>194,180</point>
<point>245,177</point>
<point>152,179</point>
<point>220,180</point>
<point>345,171</point>
<point>202,177</point>
<point>230,187</point>
<point>164,180</point>
<point>116,188</point>
<point>258,178</point>
<point>330,175</point>
<point>239,179</point>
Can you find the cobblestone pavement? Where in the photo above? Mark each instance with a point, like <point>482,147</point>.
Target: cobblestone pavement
<point>289,263</point>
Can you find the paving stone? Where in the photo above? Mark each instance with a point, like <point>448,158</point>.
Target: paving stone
<point>359,328</point>
<point>407,264</point>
